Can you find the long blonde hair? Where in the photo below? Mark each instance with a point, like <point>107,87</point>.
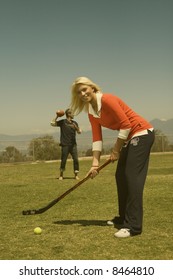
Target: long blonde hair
<point>77,105</point>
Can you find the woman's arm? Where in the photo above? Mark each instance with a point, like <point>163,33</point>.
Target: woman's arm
<point>115,154</point>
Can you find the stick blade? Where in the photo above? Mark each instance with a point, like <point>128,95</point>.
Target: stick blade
<point>29,212</point>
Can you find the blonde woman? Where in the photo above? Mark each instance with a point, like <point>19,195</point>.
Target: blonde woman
<point>131,149</point>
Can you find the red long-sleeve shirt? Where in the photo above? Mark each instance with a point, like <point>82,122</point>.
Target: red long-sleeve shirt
<point>115,114</point>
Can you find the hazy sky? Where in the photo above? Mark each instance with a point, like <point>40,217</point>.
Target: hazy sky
<point>125,46</point>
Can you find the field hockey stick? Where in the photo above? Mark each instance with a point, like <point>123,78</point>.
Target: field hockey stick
<point>53,202</point>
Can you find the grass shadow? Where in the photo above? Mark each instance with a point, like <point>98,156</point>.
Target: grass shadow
<point>82,222</point>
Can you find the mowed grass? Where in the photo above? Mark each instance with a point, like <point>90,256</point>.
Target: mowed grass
<point>75,228</point>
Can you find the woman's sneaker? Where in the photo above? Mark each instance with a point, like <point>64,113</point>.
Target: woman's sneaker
<point>115,221</point>
<point>122,233</point>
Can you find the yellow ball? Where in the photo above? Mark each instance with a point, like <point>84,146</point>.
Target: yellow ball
<point>37,230</point>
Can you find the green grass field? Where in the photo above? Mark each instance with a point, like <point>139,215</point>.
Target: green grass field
<point>75,228</point>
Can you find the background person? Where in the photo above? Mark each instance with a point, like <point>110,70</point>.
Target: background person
<point>131,149</point>
<point>68,129</point>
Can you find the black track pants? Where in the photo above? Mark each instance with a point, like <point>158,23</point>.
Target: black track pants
<point>65,151</point>
<point>130,176</point>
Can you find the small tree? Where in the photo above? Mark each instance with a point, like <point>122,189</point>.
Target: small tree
<point>11,154</point>
<point>88,153</point>
<point>44,148</point>
<point>161,143</point>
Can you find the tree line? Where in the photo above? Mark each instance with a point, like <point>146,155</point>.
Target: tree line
<point>47,148</point>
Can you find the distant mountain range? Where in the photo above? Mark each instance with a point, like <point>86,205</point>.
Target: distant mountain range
<point>84,140</point>
<point>166,126</point>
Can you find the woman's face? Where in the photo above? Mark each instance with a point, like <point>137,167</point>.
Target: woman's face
<point>85,93</point>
